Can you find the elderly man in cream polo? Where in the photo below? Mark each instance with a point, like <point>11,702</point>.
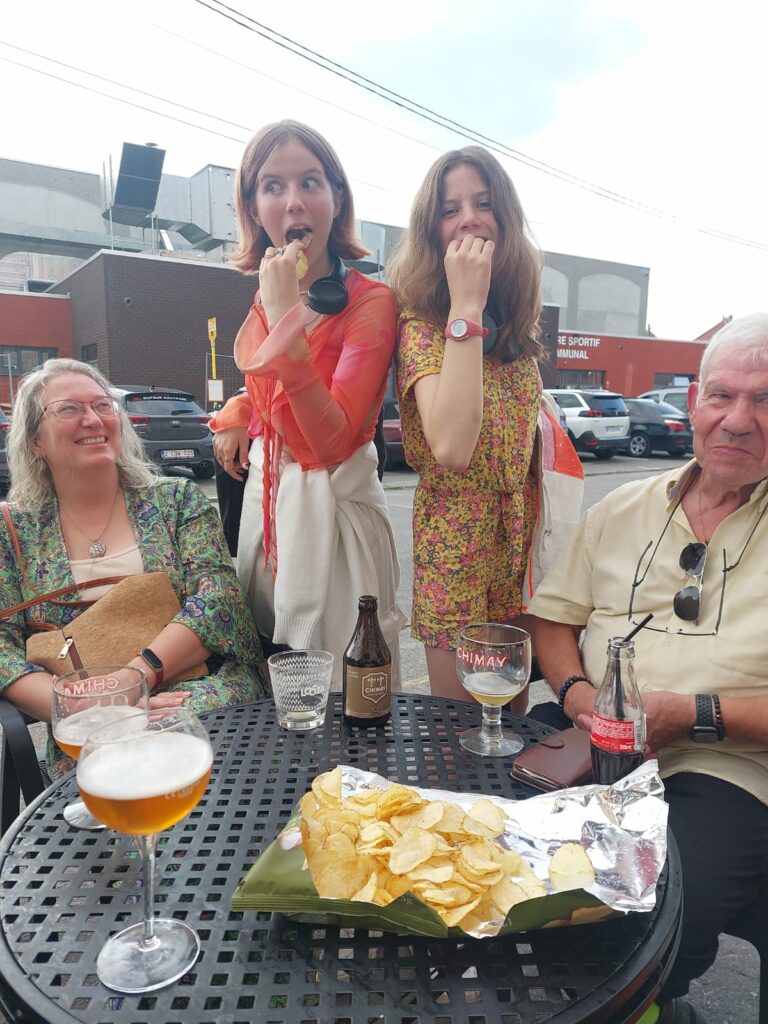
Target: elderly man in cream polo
<point>690,546</point>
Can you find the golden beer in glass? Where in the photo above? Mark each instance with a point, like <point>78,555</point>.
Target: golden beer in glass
<point>71,733</point>
<point>493,664</point>
<point>86,700</point>
<point>140,783</point>
<point>147,784</point>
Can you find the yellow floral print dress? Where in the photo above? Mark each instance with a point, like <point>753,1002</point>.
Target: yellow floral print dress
<point>471,529</point>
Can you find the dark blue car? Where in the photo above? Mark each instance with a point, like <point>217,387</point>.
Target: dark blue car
<point>657,427</point>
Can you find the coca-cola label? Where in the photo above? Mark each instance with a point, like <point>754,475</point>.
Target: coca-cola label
<point>618,736</point>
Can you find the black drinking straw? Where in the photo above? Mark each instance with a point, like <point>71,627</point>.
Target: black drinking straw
<point>638,627</point>
<point>627,638</point>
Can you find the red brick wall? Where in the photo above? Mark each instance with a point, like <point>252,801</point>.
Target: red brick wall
<point>628,364</point>
<point>39,321</point>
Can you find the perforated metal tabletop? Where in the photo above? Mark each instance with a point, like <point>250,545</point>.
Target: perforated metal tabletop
<point>64,892</point>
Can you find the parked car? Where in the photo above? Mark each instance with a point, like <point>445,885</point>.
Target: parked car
<point>678,397</point>
<point>393,434</point>
<point>5,476</point>
<point>657,427</point>
<point>173,428</point>
<point>597,421</point>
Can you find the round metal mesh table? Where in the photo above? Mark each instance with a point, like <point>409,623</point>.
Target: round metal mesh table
<point>64,892</point>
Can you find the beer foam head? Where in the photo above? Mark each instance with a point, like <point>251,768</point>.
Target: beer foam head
<point>75,729</point>
<point>151,764</point>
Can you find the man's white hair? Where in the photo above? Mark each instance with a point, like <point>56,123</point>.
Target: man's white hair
<point>745,338</point>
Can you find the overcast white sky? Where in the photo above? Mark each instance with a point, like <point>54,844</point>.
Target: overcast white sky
<point>661,101</point>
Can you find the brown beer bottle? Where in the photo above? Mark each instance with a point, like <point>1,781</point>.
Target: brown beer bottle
<point>367,673</point>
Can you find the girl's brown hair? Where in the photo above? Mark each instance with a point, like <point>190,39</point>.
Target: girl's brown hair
<point>253,238</point>
<point>417,275</point>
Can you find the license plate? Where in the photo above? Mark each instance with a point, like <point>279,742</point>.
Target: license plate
<point>177,453</point>
<point>612,430</point>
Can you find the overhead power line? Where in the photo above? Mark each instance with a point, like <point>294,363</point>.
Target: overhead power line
<point>117,99</point>
<point>302,92</point>
<point>397,99</point>
<point>141,92</point>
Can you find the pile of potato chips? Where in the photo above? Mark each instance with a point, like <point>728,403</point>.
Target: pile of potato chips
<point>378,844</point>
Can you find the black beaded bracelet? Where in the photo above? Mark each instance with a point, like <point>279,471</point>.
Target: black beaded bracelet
<point>718,716</point>
<point>566,687</point>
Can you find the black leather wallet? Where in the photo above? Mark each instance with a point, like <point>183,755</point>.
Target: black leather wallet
<point>556,762</point>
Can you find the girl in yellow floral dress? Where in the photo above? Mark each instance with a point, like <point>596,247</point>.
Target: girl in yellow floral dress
<point>468,281</point>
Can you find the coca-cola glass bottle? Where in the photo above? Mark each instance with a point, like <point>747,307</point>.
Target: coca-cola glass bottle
<point>618,725</point>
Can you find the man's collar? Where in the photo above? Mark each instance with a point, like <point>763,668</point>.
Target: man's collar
<point>679,483</point>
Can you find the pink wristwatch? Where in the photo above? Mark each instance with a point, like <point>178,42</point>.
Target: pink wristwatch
<point>460,329</point>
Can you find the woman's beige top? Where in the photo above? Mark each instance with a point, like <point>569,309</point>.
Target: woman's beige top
<point>124,563</point>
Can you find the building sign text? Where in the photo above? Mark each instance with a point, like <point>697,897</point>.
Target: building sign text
<point>578,346</point>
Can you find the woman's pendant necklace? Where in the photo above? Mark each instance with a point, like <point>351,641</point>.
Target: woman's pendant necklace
<point>97,548</point>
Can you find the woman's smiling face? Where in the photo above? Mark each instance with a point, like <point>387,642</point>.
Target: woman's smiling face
<point>86,442</point>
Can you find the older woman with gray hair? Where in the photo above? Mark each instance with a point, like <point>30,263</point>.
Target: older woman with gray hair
<point>86,504</point>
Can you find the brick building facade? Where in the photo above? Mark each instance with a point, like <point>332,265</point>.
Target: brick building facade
<point>32,328</point>
<point>144,319</point>
<point>627,365</point>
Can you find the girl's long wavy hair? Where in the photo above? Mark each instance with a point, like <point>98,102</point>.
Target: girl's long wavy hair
<point>31,480</point>
<point>253,238</point>
<point>417,275</point>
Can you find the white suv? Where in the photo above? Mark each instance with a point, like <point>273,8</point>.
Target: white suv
<point>672,396</point>
<point>598,421</point>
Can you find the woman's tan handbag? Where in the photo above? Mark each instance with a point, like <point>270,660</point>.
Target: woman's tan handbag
<point>111,631</point>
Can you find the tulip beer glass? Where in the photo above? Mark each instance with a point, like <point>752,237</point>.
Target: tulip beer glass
<point>85,700</point>
<point>140,783</point>
<point>493,663</point>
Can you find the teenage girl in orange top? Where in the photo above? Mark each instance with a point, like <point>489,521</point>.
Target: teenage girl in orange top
<point>315,349</point>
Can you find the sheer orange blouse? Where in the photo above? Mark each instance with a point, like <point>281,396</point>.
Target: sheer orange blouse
<point>351,353</point>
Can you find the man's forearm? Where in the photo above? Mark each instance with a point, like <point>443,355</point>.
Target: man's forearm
<point>557,650</point>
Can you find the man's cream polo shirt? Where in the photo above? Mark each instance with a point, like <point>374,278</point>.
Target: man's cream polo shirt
<point>591,586</point>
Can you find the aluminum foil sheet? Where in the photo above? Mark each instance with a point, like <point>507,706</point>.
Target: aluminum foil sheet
<point>623,829</point>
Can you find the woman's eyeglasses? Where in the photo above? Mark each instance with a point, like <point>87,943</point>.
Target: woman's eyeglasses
<point>70,409</point>
<point>687,602</point>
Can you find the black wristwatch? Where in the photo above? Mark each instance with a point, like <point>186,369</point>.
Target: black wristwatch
<point>155,664</point>
<point>705,729</point>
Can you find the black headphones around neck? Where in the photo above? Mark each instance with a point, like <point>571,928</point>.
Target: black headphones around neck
<point>328,295</point>
<point>489,341</point>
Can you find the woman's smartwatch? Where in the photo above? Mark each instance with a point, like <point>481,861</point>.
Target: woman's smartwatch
<point>155,664</point>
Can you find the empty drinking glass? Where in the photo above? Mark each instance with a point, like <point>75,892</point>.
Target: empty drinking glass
<point>301,681</point>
